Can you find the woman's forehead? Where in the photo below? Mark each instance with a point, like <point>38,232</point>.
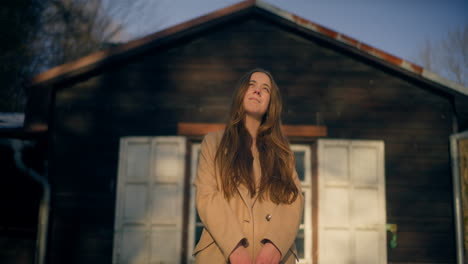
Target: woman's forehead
<point>260,77</point>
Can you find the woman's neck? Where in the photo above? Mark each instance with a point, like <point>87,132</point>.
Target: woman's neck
<point>252,124</point>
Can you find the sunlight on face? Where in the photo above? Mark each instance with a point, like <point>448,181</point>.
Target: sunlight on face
<point>257,97</point>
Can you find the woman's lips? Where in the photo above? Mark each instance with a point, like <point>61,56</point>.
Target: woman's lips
<point>255,99</point>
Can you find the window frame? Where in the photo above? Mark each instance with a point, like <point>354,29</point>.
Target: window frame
<point>307,190</point>
<point>195,149</point>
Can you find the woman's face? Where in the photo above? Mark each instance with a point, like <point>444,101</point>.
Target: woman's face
<point>257,97</point>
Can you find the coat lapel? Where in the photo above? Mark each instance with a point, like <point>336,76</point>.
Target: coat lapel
<point>244,193</point>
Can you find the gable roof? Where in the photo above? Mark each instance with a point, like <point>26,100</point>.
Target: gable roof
<point>97,60</point>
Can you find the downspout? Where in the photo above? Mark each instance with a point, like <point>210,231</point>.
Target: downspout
<point>457,196</point>
<point>41,240</point>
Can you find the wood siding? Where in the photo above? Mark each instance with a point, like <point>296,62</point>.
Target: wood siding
<point>192,81</point>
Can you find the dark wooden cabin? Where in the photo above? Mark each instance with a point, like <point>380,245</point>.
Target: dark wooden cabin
<point>119,115</point>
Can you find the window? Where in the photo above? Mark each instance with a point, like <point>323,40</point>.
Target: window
<point>304,237</point>
<point>349,191</point>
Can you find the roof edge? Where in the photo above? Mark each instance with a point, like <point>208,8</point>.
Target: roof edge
<point>96,58</point>
<point>93,60</point>
<point>444,81</point>
<point>374,52</point>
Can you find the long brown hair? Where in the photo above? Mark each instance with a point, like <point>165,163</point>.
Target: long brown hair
<point>234,156</point>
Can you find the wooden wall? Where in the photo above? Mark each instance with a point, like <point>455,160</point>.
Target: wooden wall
<point>192,81</point>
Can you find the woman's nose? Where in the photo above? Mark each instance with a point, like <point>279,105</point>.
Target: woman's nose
<point>257,90</point>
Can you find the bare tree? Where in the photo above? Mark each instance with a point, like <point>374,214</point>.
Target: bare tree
<point>40,34</point>
<point>449,57</point>
<point>19,20</point>
<point>72,29</point>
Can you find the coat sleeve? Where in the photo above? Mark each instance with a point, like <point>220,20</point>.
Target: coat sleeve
<point>213,209</point>
<point>284,223</point>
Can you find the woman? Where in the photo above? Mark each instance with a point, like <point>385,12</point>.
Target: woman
<point>248,194</point>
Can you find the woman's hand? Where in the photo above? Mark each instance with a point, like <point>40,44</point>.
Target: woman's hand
<point>240,255</point>
<point>269,254</point>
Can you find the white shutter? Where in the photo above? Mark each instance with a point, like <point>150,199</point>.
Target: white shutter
<point>148,221</point>
<point>351,194</point>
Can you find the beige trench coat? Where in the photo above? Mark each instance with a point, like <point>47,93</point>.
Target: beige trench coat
<point>242,217</point>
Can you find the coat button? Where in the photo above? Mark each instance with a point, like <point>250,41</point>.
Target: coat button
<point>268,217</point>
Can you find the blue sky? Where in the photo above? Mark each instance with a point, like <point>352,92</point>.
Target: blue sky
<point>399,27</point>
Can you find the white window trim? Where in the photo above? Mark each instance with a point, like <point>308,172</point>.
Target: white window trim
<point>195,148</point>
<point>307,189</point>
